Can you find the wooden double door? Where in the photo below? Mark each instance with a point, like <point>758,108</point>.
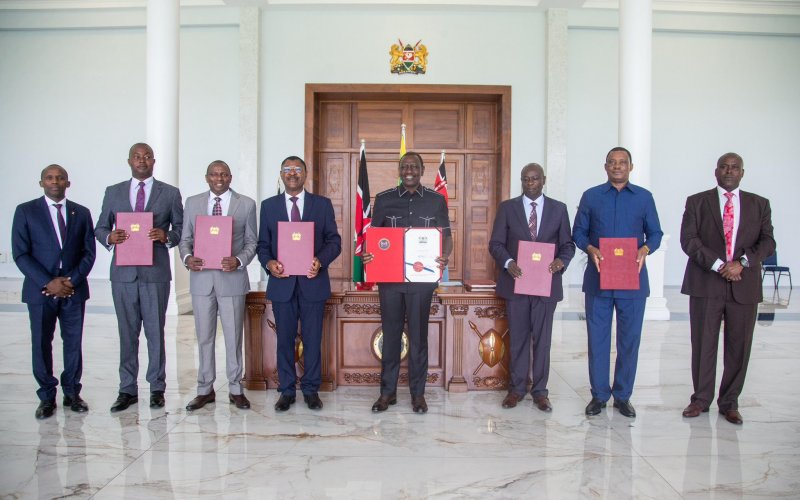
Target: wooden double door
<point>468,123</point>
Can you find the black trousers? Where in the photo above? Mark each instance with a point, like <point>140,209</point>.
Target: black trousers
<point>401,303</point>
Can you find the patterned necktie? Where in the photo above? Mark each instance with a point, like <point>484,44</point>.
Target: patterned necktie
<point>295,210</point>
<point>217,210</point>
<point>140,198</point>
<point>727,226</point>
<point>62,225</point>
<point>532,221</point>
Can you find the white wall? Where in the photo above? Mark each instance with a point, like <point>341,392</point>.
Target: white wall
<point>712,93</point>
<point>350,44</point>
<point>76,97</point>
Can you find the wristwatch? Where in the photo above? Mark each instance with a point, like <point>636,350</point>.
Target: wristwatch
<point>744,262</point>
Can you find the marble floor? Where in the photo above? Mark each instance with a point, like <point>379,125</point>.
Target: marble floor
<point>467,446</point>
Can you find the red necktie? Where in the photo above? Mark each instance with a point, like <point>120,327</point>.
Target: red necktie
<point>727,226</point>
<point>532,221</point>
<point>62,225</point>
<point>140,198</point>
<point>295,210</point>
<point>217,210</point>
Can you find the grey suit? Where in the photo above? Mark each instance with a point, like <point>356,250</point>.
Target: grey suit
<point>214,291</point>
<point>141,293</point>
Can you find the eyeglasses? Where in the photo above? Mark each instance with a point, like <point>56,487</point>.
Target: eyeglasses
<point>289,170</point>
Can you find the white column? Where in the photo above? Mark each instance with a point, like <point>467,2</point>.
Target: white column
<point>555,162</point>
<point>163,80</point>
<point>635,122</point>
<point>246,172</point>
<point>635,81</point>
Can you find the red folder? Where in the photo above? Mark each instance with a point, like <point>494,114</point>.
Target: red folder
<point>213,239</point>
<point>296,247</point>
<point>619,269</point>
<point>137,250</point>
<point>386,246</point>
<point>534,259</point>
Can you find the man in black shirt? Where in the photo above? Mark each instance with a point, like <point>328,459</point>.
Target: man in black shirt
<point>408,205</point>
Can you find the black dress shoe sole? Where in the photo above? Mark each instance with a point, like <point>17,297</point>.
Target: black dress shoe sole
<point>159,402</point>
<point>624,411</point>
<point>313,405</point>
<point>595,410</point>
<point>122,407</point>
<point>376,408</point>
<point>79,408</point>
<point>191,407</point>
<point>282,406</point>
<point>43,412</point>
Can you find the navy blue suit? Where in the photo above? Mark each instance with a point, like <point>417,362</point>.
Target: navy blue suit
<point>605,212</point>
<point>298,298</point>
<point>530,318</point>
<point>38,255</point>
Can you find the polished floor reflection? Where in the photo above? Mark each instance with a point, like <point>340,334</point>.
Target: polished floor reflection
<point>467,446</point>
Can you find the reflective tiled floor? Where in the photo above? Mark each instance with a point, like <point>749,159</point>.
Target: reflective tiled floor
<point>467,446</point>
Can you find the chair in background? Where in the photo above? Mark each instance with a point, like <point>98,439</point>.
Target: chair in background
<point>770,265</point>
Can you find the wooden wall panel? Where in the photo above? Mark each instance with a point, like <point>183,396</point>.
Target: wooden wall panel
<point>436,126</point>
<point>378,123</point>
<point>482,126</point>
<point>480,204</point>
<point>334,125</point>
<point>333,177</point>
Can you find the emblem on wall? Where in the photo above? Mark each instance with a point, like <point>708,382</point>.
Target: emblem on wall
<point>408,59</point>
<point>377,345</point>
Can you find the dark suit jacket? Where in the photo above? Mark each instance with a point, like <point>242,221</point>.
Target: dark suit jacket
<point>37,254</point>
<point>165,203</point>
<point>703,240</point>
<point>511,226</point>
<point>327,246</point>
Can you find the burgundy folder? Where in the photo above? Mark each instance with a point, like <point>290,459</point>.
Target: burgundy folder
<point>296,247</point>
<point>619,269</point>
<point>137,250</point>
<point>386,245</point>
<point>213,239</point>
<point>534,259</point>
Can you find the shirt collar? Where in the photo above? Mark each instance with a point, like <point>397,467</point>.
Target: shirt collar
<point>539,201</point>
<point>147,182</point>
<point>300,196</point>
<point>630,187</point>
<point>224,196</point>
<point>51,201</point>
<point>721,192</point>
<point>401,191</point>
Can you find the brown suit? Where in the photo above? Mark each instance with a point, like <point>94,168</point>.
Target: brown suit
<point>713,298</point>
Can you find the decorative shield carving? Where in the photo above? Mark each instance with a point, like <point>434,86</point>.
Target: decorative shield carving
<point>377,345</point>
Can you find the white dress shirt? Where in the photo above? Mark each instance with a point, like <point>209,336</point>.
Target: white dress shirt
<point>301,196</point>
<point>148,187</point>
<point>224,202</point>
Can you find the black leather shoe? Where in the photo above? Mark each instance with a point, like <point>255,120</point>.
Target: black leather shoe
<point>418,404</point>
<point>594,407</point>
<point>383,402</point>
<point>239,400</point>
<point>625,407</point>
<point>157,399</point>
<point>123,401</point>
<point>46,409</point>
<point>313,401</point>
<point>76,404</point>
<point>201,400</point>
<point>284,402</point>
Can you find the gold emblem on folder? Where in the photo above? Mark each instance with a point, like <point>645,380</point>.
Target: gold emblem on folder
<point>536,257</point>
<point>618,252</point>
<point>296,236</point>
<point>213,230</point>
<point>134,228</point>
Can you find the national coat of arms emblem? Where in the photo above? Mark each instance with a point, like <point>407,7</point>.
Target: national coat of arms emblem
<point>408,59</point>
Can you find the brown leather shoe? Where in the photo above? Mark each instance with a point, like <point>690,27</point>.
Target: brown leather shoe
<point>383,402</point>
<point>733,416</point>
<point>693,410</point>
<point>543,403</point>
<point>418,404</point>
<point>239,400</point>
<point>511,400</point>
<point>201,400</point>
